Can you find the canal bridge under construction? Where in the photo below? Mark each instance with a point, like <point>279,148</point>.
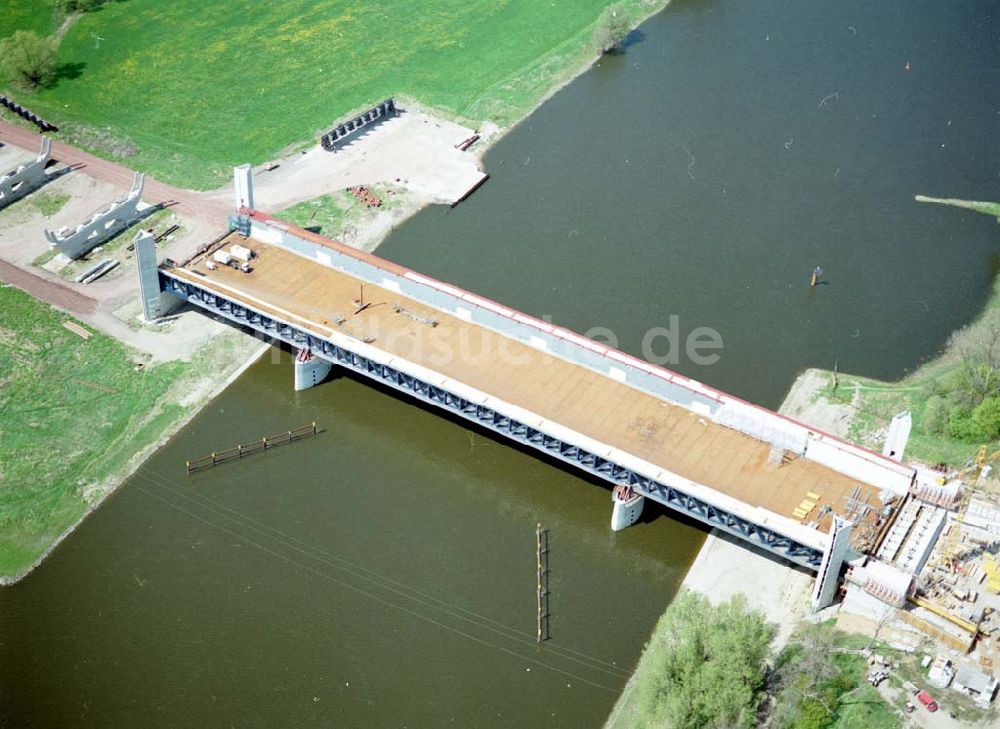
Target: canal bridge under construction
<point>796,492</point>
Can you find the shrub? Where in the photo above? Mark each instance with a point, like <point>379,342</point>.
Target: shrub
<point>708,669</point>
<point>28,59</point>
<point>78,6</point>
<point>612,29</point>
<point>986,418</point>
<point>935,418</point>
<point>960,424</point>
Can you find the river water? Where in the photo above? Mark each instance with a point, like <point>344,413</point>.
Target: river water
<point>382,574</point>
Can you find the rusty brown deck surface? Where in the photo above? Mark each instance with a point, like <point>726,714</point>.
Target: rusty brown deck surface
<point>283,283</point>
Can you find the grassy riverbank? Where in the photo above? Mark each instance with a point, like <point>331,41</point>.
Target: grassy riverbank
<point>77,415</point>
<point>185,92</point>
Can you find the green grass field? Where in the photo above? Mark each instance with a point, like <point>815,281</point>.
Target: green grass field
<point>74,412</point>
<point>37,16</point>
<point>194,88</point>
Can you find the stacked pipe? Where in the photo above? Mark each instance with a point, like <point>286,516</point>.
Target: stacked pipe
<point>95,272</point>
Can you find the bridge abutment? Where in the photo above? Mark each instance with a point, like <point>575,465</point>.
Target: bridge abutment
<point>310,370</point>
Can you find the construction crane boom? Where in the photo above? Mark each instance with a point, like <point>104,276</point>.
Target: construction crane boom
<point>982,458</point>
<point>950,552</point>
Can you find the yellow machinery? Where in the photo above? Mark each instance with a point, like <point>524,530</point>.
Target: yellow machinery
<point>982,458</point>
<point>940,611</point>
<point>992,570</point>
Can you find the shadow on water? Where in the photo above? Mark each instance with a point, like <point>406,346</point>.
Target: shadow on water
<point>652,510</point>
<point>634,38</point>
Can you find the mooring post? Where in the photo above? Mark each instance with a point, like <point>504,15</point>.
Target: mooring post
<point>239,450</point>
<point>213,459</point>
<point>817,272</point>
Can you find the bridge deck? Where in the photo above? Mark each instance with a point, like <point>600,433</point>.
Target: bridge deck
<point>316,296</point>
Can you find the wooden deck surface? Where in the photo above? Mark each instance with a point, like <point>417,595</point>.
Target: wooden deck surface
<point>598,406</point>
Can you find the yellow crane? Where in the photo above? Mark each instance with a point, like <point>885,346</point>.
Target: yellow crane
<point>983,456</point>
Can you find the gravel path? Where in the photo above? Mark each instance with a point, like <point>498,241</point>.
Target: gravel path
<point>208,207</point>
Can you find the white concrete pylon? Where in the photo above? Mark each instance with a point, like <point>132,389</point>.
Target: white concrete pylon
<point>898,437</point>
<point>828,576</point>
<point>149,278</point>
<point>243,186</point>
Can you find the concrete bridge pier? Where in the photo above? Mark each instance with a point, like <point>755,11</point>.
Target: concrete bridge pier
<point>310,370</point>
<point>627,507</point>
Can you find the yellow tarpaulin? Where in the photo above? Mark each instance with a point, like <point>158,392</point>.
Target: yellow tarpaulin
<point>992,570</point>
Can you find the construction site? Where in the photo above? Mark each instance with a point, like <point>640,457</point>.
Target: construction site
<point>935,574</point>
<point>921,540</point>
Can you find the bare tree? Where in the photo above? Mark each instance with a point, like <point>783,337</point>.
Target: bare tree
<point>881,623</point>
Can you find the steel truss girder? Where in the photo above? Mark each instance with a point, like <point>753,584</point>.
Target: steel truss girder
<point>600,466</point>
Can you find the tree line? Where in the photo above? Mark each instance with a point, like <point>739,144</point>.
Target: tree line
<point>712,666</point>
<point>964,402</point>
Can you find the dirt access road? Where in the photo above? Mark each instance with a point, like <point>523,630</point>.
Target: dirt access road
<point>52,291</point>
<point>205,207</point>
